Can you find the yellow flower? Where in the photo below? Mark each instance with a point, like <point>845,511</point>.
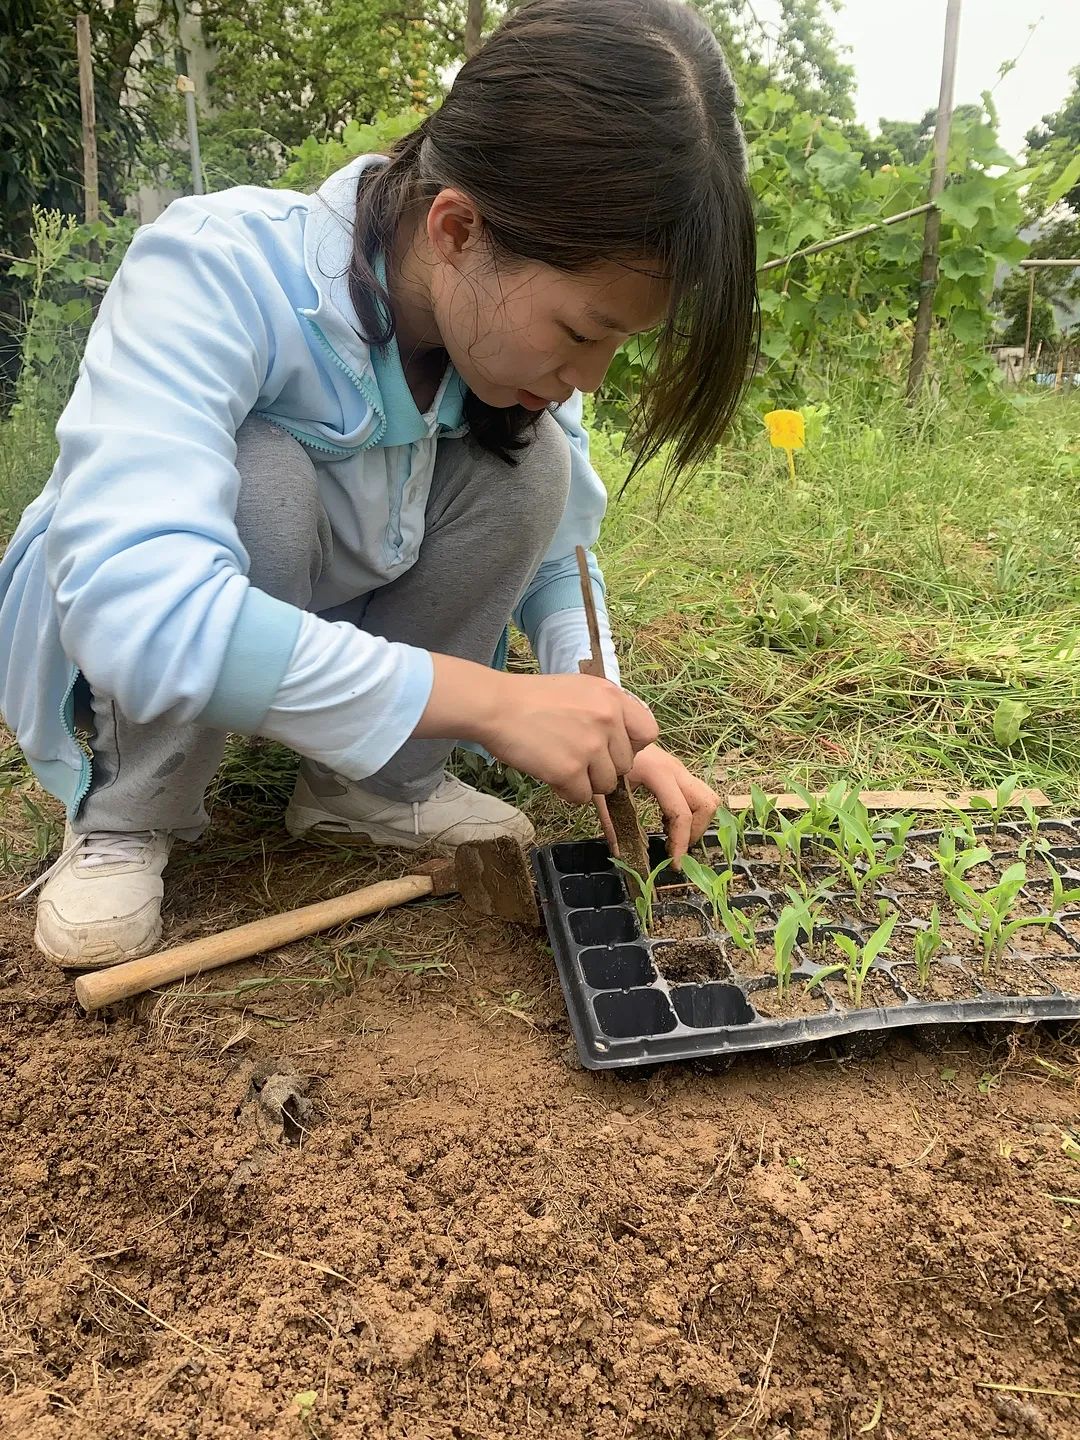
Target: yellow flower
<point>786,429</point>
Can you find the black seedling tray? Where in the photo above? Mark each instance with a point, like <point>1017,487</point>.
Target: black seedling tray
<point>624,1011</point>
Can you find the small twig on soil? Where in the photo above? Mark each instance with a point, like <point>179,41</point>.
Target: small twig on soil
<point>311,1264</point>
<point>759,1389</point>
<point>163,1384</point>
<point>1027,1389</point>
<point>157,1319</point>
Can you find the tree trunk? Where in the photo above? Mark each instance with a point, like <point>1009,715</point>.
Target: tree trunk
<point>474,23</point>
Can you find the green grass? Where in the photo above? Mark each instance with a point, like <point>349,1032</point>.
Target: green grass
<point>938,567</point>
<point>946,561</point>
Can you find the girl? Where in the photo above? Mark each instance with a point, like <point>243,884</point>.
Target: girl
<point>322,449</point>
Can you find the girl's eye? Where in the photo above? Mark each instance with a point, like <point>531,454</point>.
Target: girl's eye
<point>577,339</point>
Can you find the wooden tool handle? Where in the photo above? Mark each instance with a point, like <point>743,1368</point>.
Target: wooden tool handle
<point>629,836</point>
<point>103,987</point>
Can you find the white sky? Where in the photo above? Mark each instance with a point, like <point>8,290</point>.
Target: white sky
<point>895,47</point>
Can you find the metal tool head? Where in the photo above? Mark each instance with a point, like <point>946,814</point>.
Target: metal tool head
<point>493,877</point>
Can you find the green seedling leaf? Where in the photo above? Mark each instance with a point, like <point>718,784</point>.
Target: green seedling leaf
<point>727,833</point>
<point>643,902</point>
<point>788,926</point>
<point>763,806</point>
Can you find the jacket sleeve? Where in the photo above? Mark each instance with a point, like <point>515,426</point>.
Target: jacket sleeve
<point>147,568</point>
<point>555,589</point>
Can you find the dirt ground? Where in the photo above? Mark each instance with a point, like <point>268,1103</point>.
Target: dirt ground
<point>451,1230</point>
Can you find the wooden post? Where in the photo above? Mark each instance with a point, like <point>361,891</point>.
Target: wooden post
<point>1027,330</point>
<point>474,23</point>
<point>1060,368</point>
<point>91,208</point>
<point>920,347</point>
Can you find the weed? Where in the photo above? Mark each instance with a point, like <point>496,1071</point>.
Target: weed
<point>645,898</point>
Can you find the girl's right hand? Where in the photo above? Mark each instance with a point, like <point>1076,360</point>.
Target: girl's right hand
<point>575,732</point>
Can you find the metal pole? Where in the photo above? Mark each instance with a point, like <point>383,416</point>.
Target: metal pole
<point>186,86</point>
<point>89,122</point>
<point>920,348</point>
<point>1027,332</point>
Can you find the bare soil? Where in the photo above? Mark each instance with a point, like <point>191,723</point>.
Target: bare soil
<point>946,982</point>
<point>397,1209</point>
<point>798,1000</point>
<point>677,922</point>
<point>692,960</point>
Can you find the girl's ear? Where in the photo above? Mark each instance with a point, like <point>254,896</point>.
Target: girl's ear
<point>454,226</point>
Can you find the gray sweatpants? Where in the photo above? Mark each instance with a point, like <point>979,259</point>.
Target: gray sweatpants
<point>488,525</point>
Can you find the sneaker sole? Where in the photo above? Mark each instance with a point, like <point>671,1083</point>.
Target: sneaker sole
<point>104,960</point>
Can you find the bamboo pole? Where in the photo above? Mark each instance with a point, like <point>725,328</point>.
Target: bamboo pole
<point>848,235</point>
<point>186,86</point>
<point>920,348</point>
<point>91,203</point>
<point>1027,328</point>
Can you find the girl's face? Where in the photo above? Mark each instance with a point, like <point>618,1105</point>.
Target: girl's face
<point>528,334</point>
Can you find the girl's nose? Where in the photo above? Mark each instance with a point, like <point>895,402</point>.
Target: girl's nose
<point>587,373</point>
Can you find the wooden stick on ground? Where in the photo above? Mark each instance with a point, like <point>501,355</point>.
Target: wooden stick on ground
<point>629,836</point>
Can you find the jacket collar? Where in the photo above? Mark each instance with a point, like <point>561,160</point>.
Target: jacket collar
<point>328,243</point>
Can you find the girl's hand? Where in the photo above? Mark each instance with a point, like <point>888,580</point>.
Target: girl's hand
<point>687,803</point>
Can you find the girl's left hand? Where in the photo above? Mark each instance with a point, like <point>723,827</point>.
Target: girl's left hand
<point>687,803</point>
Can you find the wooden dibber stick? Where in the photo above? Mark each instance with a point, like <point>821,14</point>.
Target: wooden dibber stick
<point>629,836</point>
<point>492,876</point>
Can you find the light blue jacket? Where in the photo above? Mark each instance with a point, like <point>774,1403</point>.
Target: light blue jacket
<point>128,566</point>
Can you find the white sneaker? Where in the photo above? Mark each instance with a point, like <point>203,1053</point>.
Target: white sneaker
<point>325,804</point>
<point>100,902</point>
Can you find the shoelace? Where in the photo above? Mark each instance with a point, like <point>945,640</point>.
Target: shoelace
<point>98,847</point>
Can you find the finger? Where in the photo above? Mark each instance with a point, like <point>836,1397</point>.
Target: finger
<point>704,804</point>
<point>608,828</point>
<point>641,726</point>
<point>603,776</point>
<point>622,753</point>
<point>576,791</point>
<point>677,813</point>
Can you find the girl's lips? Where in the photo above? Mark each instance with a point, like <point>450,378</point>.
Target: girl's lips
<point>531,401</point>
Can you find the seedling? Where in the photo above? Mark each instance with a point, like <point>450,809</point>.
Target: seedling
<point>954,862</point>
<point>728,833</point>
<point>789,836</point>
<point>1032,842</point>
<point>1061,897</point>
<point>987,912</point>
<point>788,925</point>
<point>712,884</point>
<point>646,884</point>
<point>1000,803</point>
<point>739,927</point>
<point>858,959</point>
<point>894,830</point>
<point>927,943</point>
<point>763,806</point>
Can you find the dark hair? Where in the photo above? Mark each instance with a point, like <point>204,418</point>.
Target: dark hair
<point>585,131</point>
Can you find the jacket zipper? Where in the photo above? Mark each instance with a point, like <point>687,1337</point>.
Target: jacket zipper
<point>377,435</point>
<point>85,754</point>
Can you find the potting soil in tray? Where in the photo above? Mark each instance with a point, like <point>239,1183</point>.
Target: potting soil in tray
<point>717,999</point>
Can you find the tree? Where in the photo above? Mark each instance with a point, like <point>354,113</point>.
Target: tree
<point>798,53</point>
<point>40,118</point>
<point>1057,138</point>
<point>309,68</point>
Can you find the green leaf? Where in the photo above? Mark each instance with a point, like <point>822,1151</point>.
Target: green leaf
<point>1065,181</point>
<point>1009,718</point>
